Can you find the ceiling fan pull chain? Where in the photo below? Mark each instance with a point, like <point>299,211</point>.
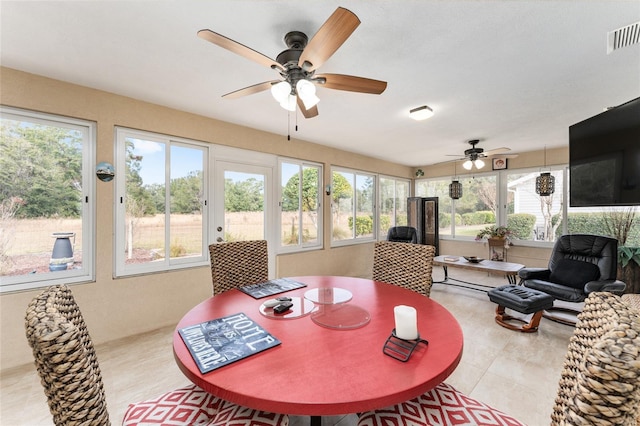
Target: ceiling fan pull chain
<point>288,126</point>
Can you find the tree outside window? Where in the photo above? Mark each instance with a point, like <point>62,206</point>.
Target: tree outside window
<point>46,192</point>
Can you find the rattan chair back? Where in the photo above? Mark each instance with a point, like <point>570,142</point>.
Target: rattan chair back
<point>404,264</point>
<point>238,263</point>
<point>600,381</point>
<point>66,359</point>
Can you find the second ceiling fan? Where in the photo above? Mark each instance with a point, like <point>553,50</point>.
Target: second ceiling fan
<point>474,155</point>
<point>297,65</point>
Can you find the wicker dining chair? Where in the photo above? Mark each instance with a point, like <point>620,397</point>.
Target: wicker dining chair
<point>238,263</point>
<point>405,265</point>
<point>599,384</point>
<point>68,367</point>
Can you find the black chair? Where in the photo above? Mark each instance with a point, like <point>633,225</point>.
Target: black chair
<point>580,264</point>
<point>402,234</point>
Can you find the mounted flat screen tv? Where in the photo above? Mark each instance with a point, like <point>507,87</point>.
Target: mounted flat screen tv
<point>604,158</point>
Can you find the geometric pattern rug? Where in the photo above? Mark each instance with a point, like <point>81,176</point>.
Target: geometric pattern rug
<point>191,405</point>
<point>442,405</point>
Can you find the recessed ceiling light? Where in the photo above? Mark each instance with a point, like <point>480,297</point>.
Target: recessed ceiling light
<point>421,113</point>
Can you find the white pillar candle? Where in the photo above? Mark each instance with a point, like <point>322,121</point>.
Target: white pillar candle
<point>406,322</point>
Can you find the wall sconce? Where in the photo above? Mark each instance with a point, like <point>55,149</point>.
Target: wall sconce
<point>327,189</point>
<point>105,171</point>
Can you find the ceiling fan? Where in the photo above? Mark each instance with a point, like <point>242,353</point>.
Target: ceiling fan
<point>474,155</point>
<point>297,65</point>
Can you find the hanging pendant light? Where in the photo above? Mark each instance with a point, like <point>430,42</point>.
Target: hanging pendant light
<point>545,183</point>
<point>455,187</point>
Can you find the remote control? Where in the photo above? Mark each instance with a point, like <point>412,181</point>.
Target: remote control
<point>283,307</point>
<point>284,299</point>
<point>271,303</point>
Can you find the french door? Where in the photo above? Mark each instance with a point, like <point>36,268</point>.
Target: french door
<point>242,211</point>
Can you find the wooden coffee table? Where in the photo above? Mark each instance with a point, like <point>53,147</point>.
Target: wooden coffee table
<point>508,269</point>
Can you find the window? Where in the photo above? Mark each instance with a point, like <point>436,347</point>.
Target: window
<point>161,218</point>
<point>47,186</point>
<point>352,204</point>
<point>393,204</point>
<point>505,198</point>
<point>476,208</point>
<point>533,217</point>
<point>300,205</point>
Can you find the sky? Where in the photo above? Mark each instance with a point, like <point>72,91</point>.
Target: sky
<point>183,161</point>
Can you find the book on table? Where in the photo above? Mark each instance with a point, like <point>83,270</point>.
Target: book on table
<point>271,287</point>
<point>222,341</point>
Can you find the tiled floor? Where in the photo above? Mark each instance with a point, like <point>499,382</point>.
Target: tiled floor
<point>514,372</point>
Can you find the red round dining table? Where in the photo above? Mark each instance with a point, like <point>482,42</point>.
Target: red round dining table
<point>320,371</point>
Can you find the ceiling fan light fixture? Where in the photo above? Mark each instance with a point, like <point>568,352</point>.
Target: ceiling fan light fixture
<point>421,113</point>
<point>280,91</point>
<point>307,92</point>
<point>467,165</point>
<point>479,163</point>
<point>310,101</point>
<point>289,103</point>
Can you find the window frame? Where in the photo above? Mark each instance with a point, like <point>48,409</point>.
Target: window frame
<point>395,180</point>
<point>300,246</point>
<point>374,232</point>
<point>120,268</point>
<point>87,272</point>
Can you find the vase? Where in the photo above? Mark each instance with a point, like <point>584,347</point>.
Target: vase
<point>497,248</point>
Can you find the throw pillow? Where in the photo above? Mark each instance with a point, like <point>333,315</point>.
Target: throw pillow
<point>574,273</point>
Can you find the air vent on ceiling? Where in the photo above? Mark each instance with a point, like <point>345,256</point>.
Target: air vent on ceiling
<point>622,37</point>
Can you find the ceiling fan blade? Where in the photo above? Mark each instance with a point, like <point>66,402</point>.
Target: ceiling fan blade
<point>496,151</point>
<point>308,113</point>
<point>352,83</point>
<point>335,31</point>
<point>238,48</point>
<point>256,88</point>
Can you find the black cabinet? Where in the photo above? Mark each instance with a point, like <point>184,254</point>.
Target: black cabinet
<point>422,214</point>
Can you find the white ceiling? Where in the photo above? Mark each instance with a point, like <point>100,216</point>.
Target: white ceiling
<point>513,74</point>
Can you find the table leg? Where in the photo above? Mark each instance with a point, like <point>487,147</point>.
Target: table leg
<point>316,420</point>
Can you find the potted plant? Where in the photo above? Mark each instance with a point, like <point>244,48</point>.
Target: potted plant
<point>498,238</point>
<point>495,232</point>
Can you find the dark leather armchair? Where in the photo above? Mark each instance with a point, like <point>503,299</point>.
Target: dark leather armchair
<point>580,264</point>
<point>402,234</point>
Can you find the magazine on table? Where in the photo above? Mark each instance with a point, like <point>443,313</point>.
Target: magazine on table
<point>221,341</point>
<point>271,287</point>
